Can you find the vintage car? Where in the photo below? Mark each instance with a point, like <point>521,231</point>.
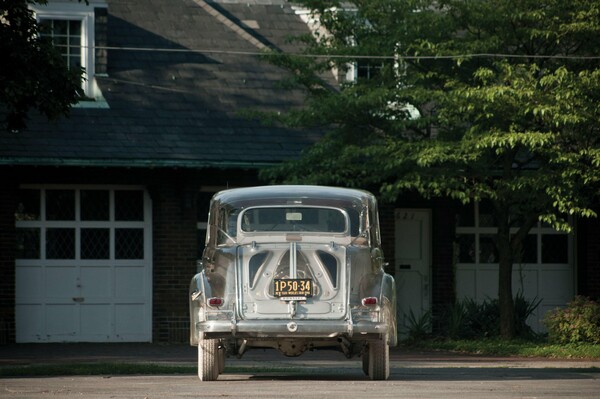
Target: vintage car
<point>293,268</point>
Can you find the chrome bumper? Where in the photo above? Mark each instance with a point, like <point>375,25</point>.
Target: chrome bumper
<point>291,328</point>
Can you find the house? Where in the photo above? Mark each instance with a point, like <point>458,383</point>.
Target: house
<point>103,214</point>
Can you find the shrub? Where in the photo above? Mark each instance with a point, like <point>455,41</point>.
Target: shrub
<point>418,327</point>
<point>524,309</point>
<point>470,319</point>
<point>483,319</point>
<point>579,322</point>
<point>454,320</point>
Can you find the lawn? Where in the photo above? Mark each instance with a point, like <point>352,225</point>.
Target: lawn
<point>498,347</point>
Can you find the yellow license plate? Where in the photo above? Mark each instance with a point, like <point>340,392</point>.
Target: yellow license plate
<point>302,287</point>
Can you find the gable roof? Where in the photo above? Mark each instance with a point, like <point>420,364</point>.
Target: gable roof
<point>173,107</point>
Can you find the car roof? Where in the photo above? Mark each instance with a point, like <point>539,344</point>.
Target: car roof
<point>294,195</point>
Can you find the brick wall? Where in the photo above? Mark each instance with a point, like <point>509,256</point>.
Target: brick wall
<point>174,245</point>
<point>8,202</point>
<point>588,239</point>
<point>443,231</point>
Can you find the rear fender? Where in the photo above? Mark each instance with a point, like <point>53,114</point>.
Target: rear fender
<point>382,287</point>
<point>388,299</point>
<point>200,289</point>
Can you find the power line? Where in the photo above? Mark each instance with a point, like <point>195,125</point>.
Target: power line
<point>341,56</point>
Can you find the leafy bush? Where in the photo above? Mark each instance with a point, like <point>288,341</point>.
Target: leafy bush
<point>481,319</point>
<point>524,309</point>
<point>418,327</point>
<point>579,322</point>
<point>454,320</point>
<point>470,319</point>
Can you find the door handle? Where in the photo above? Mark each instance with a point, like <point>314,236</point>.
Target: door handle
<point>78,299</point>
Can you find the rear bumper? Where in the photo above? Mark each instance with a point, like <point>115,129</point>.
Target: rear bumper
<point>290,328</point>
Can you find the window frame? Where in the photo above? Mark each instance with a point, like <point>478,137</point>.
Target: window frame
<point>77,224</point>
<point>538,231</point>
<point>86,15</point>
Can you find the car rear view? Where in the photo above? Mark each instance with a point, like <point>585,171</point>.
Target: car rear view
<point>292,268</point>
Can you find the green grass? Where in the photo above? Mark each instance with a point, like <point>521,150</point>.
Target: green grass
<point>498,347</point>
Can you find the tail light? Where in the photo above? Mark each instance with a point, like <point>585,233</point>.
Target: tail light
<point>369,301</point>
<point>215,302</point>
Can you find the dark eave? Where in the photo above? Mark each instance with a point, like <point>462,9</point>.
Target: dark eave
<point>137,163</point>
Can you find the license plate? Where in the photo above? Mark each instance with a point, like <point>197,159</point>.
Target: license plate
<point>296,287</point>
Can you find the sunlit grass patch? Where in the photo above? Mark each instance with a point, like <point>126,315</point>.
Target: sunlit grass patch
<point>499,347</point>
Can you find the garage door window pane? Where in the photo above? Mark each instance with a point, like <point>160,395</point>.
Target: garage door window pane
<point>60,205</point>
<point>466,248</point>
<point>555,248</point>
<point>28,243</point>
<point>28,207</point>
<point>94,205</point>
<point>95,243</point>
<point>129,205</point>
<point>60,244</point>
<point>488,253</point>
<point>129,243</point>
<point>529,251</point>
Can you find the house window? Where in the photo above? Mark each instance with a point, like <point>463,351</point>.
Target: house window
<point>476,230</point>
<point>66,36</point>
<point>363,69</point>
<point>71,28</point>
<point>368,69</point>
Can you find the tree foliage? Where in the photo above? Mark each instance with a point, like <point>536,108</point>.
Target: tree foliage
<point>507,94</point>
<point>33,75</point>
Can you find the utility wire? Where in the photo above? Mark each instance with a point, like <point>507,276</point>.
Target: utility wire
<point>339,56</point>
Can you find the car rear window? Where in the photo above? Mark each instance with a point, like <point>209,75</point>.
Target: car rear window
<point>297,219</point>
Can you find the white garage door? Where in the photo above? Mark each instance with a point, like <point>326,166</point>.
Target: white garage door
<point>84,265</point>
<point>544,273</point>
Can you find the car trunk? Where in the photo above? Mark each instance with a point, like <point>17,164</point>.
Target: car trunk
<point>292,280</point>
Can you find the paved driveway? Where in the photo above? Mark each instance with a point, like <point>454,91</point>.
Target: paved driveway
<point>314,375</point>
<point>459,383</point>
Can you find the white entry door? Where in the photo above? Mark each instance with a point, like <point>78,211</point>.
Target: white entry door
<point>413,265</point>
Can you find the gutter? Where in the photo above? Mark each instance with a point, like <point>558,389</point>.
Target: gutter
<point>134,163</point>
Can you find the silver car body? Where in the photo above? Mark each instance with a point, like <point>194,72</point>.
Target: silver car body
<point>324,238</point>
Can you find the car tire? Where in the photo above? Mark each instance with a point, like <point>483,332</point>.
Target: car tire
<point>379,359</point>
<point>208,367</point>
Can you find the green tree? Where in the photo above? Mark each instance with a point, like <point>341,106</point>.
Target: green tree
<point>33,75</point>
<point>470,99</point>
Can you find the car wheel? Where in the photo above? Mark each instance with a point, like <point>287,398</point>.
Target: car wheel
<point>208,367</point>
<point>379,359</point>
